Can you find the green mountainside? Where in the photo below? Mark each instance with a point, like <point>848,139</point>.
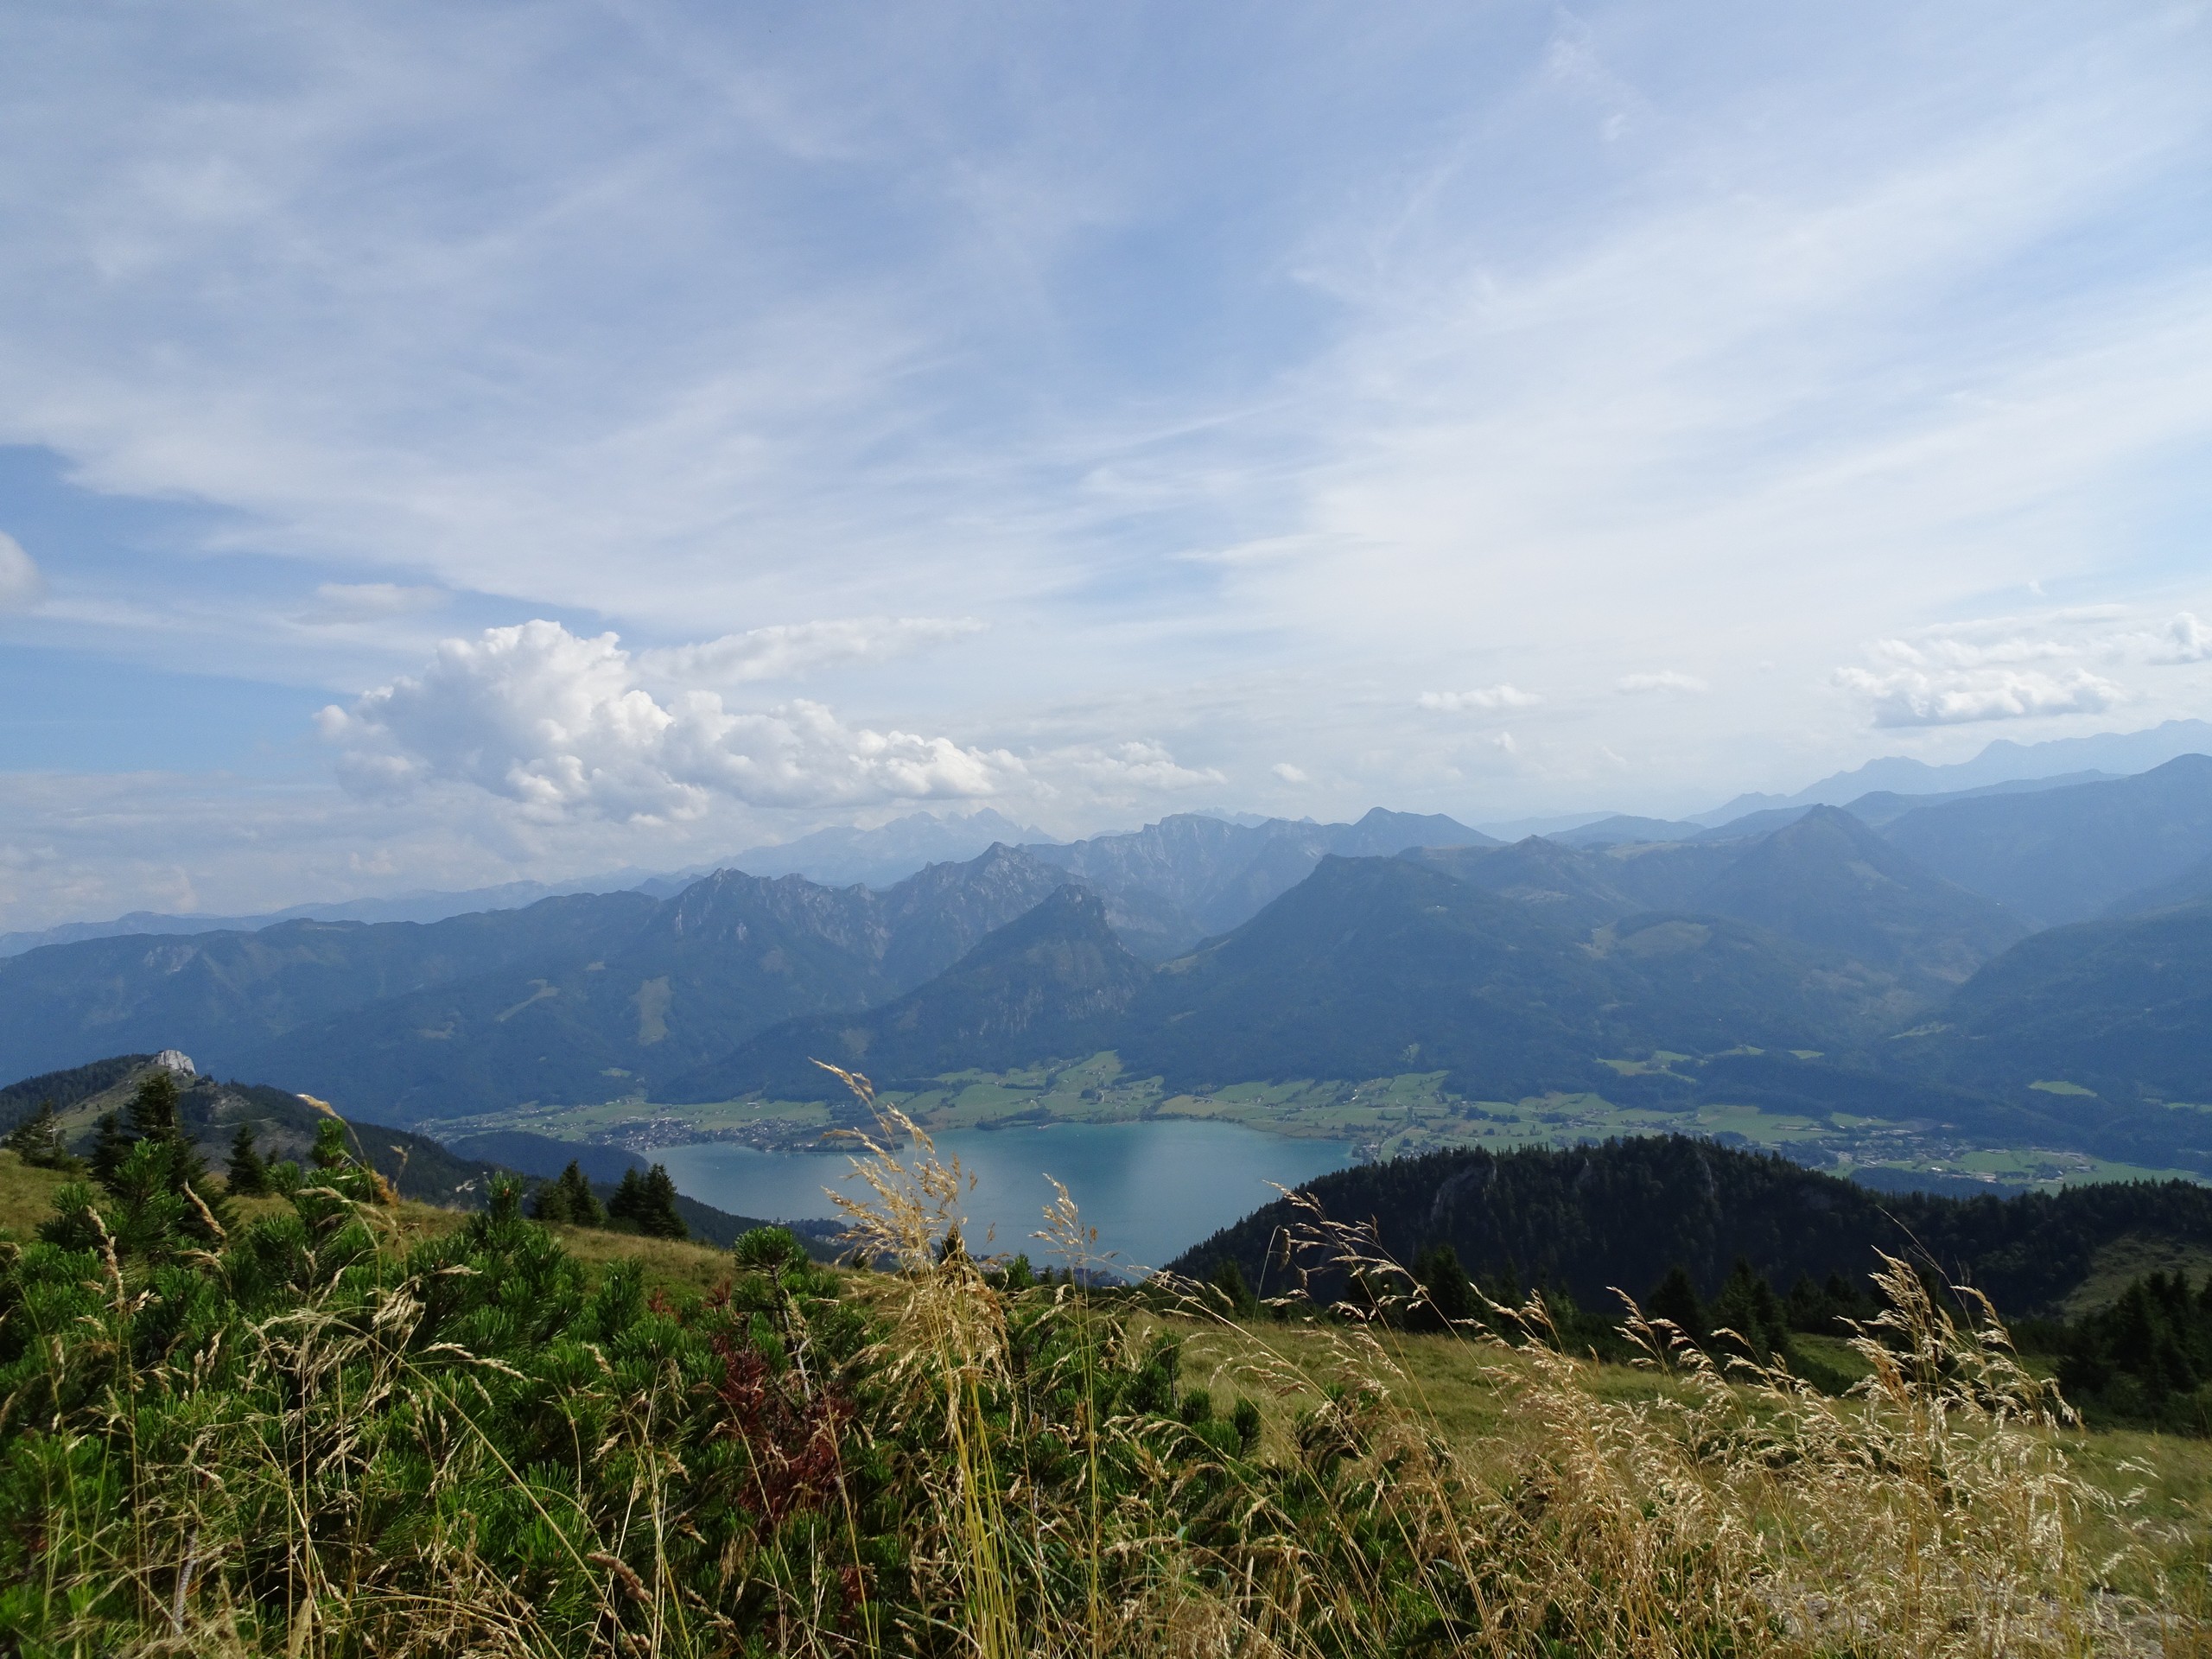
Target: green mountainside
<point>574,999</point>
<point>1831,883</point>
<point>1822,879</point>
<point>1818,970</point>
<point>221,994</point>
<point>1376,965</point>
<point>1587,1219</point>
<point>1057,981</point>
<point>2121,1009</point>
<point>210,1113</point>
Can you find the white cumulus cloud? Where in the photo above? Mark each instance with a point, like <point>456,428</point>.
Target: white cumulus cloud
<point>2000,668</point>
<point>21,585</point>
<point>1288,773</point>
<point>1919,697</point>
<point>1666,679</point>
<point>1482,699</point>
<point>788,649</point>
<point>560,724</point>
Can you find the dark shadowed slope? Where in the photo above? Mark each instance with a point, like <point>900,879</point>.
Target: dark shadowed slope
<point>2122,1008</point>
<point>1052,985</point>
<point>729,957</point>
<point>218,996</point>
<point>1590,1219</point>
<point>2192,886</point>
<point>2065,854</point>
<point>1823,880</point>
<point>1570,889</point>
<point>1374,966</point>
<point>1831,883</point>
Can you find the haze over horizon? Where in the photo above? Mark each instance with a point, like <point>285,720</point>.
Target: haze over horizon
<point>444,448</point>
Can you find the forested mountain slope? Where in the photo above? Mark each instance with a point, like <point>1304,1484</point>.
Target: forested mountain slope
<point>727,957</point>
<point>572,999</point>
<point>219,994</point>
<point>1589,1219</point>
<point>1373,966</point>
<point>2121,1007</point>
<point>1054,983</point>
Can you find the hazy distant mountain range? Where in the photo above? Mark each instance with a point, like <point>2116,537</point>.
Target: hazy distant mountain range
<point>2031,966</point>
<point>2003,761</point>
<point>883,856</point>
<point>837,857</point>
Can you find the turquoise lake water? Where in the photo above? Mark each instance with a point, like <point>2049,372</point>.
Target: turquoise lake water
<point>1152,1189</point>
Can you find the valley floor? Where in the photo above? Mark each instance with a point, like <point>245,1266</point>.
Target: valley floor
<point>1379,1117</point>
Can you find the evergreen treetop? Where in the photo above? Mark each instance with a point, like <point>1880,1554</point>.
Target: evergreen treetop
<point>646,1204</point>
<point>570,1200</point>
<point>153,1108</point>
<point>248,1172</point>
<point>37,1140</point>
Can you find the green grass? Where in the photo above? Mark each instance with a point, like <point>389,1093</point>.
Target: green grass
<point>352,1427</point>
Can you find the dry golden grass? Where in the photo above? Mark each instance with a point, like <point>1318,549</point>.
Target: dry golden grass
<point>1407,1494</point>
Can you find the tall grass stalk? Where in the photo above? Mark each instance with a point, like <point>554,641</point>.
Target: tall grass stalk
<point>314,1441</point>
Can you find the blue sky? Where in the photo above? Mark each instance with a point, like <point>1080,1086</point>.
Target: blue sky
<point>1091,411</point>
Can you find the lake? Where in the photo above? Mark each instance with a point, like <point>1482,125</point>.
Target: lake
<point>1152,1189</point>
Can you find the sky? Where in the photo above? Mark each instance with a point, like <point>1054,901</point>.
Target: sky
<point>444,445</point>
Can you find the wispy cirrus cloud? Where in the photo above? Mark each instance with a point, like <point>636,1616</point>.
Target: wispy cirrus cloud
<point>337,602</point>
<point>1555,350</point>
<point>788,651</point>
<point>22,583</point>
<point>1664,679</point>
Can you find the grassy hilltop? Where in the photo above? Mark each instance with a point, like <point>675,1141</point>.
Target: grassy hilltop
<point>339,1423</point>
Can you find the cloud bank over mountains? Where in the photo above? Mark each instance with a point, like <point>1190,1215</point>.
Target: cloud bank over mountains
<point>669,427</point>
<point>2010,668</point>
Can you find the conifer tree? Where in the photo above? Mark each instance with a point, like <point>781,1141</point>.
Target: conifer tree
<point>646,1204</point>
<point>1236,1291</point>
<point>37,1140</point>
<point>568,1199</point>
<point>1449,1293</point>
<point>661,1219</point>
<point>629,1199</point>
<point>1675,1298</point>
<point>583,1203</point>
<point>154,1118</point>
<point>551,1204</point>
<point>248,1172</point>
<point>1748,1306</point>
<point>111,1146</point>
<point>153,1108</point>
